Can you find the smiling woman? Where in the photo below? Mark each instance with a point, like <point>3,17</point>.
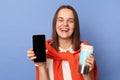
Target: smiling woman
<point>63,50</point>
<point>65,24</point>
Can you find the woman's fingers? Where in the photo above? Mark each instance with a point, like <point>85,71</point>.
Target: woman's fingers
<point>32,58</point>
<point>31,49</point>
<point>46,50</point>
<point>90,62</point>
<point>30,54</point>
<point>90,59</point>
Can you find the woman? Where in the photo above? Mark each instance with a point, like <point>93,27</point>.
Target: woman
<point>63,50</point>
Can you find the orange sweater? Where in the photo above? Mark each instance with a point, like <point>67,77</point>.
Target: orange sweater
<point>73,60</point>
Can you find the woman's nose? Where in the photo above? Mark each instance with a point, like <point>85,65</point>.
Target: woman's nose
<point>66,23</point>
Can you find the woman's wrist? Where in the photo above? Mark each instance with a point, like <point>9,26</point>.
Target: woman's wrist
<point>39,64</point>
<point>43,71</point>
<point>89,76</point>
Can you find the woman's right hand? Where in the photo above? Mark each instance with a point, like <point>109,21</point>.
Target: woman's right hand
<point>43,71</point>
<point>31,55</point>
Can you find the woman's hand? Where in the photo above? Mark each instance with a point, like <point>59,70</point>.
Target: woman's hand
<point>43,72</point>
<point>31,55</point>
<point>90,62</point>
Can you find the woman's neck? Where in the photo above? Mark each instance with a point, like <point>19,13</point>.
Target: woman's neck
<point>65,43</point>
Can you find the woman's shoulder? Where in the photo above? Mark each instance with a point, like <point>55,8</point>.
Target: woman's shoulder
<point>85,42</point>
<point>49,41</point>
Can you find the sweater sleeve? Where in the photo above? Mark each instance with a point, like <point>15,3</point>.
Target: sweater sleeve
<point>95,72</point>
<point>37,72</point>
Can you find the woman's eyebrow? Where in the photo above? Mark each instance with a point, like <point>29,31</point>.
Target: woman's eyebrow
<point>60,17</point>
<point>71,18</point>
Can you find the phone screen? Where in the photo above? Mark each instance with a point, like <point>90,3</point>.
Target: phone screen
<point>39,48</point>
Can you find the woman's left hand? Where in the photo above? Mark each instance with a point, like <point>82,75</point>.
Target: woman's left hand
<point>90,62</point>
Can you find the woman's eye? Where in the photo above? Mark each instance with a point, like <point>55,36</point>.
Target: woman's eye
<point>60,20</point>
<point>71,21</point>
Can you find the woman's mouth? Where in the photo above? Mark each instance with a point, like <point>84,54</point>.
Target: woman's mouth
<point>64,29</point>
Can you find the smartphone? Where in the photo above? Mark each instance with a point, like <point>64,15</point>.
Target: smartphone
<point>39,48</point>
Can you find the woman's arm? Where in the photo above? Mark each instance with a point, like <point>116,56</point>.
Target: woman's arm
<point>43,71</point>
<point>41,66</point>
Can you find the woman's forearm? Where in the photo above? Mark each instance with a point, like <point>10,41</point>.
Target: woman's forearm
<point>43,73</point>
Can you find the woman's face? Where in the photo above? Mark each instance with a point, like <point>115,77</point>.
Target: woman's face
<point>65,23</point>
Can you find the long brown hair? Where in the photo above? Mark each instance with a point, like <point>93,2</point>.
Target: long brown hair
<point>76,33</point>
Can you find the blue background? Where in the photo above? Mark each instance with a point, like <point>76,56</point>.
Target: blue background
<point>20,19</point>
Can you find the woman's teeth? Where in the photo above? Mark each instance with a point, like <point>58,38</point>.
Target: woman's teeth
<point>64,29</point>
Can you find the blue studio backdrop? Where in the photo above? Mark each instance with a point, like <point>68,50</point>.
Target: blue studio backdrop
<point>20,19</point>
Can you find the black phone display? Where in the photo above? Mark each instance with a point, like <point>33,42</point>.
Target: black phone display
<point>39,48</point>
